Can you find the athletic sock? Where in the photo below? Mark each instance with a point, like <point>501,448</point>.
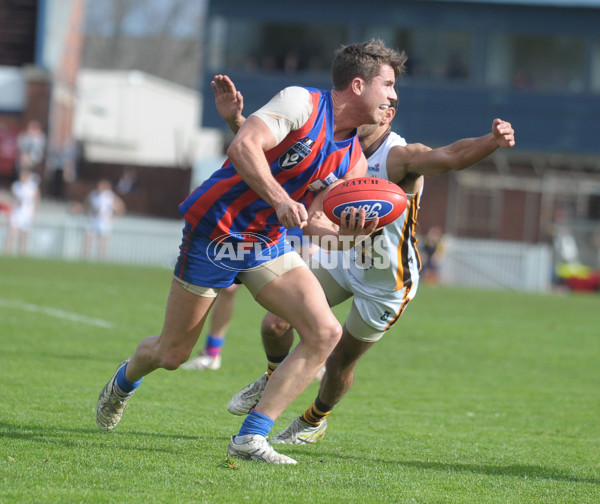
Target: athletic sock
<point>256,423</point>
<point>316,413</point>
<point>123,384</point>
<point>213,345</point>
<point>272,363</point>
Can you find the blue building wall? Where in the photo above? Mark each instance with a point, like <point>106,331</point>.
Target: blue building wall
<point>440,112</point>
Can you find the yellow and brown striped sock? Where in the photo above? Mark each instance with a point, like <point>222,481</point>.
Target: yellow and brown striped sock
<point>273,362</point>
<point>316,413</point>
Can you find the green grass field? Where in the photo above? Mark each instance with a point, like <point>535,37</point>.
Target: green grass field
<point>473,397</point>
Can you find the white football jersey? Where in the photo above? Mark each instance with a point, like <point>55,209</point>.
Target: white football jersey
<point>383,276</point>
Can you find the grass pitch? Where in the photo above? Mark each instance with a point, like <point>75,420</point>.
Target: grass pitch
<point>473,396</point>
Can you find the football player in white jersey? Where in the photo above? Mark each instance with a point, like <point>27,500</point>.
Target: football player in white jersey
<point>382,277</point>
<point>26,194</point>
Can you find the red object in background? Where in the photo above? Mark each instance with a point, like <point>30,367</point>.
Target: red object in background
<point>590,283</point>
<point>5,208</point>
<point>8,151</point>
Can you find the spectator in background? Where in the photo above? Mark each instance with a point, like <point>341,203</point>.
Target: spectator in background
<point>103,205</point>
<point>30,148</point>
<point>61,165</point>
<point>26,194</point>
<point>128,182</point>
<point>431,250</point>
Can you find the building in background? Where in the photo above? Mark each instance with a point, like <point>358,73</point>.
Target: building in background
<point>40,47</point>
<point>146,115</point>
<point>130,122</point>
<point>535,63</point>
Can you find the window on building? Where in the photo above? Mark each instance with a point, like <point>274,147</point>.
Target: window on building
<point>432,54</point>
<point>273,47</point>
<point>536,62</point>
<point>595,70</point>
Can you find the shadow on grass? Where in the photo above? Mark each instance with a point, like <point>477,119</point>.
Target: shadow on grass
<point>527,471</point>
<point>60,435</point>
<point>518,470</point>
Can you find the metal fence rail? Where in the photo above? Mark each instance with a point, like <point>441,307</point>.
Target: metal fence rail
<point>497,264</point>
<point>59,234</point>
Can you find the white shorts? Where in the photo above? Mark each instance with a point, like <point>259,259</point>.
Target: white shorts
<point>370,316</point>
<point>98,226</point>
<point>22,218</point>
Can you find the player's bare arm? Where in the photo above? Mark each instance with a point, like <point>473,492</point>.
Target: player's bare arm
<point>247,151</point>
<point>418,159</point>
<point>229,101</point>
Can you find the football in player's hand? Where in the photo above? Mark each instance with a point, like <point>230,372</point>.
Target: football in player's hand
<point>380,198</point>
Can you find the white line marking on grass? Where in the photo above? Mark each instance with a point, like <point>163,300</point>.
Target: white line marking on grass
<point>54,312</point>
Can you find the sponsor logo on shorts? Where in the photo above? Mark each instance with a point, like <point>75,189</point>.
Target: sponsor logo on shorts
<point>230,254</point>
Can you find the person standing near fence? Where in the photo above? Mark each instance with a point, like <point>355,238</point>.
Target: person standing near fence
<point>31,145</point>
<point>26,196</point>
<point>102,204</point>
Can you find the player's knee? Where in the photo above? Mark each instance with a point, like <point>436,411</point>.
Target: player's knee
<point>229,292</point>
<point>170,359</point>
<point>273,326</point>
<point>326,336</point>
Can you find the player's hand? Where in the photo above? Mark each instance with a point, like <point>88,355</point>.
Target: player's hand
<point>291,214</point>
<point>503,133</point>
<point>354,225</point>
<point>228,100</point>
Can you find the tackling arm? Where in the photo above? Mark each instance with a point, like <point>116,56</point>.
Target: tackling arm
<point>417,159</point>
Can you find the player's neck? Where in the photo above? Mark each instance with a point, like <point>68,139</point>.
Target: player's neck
<point>344,113</point>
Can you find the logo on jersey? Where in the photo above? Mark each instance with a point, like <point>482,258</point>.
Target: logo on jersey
<point>373,208</point>
<point>373,170</point>
<point>295,154</point>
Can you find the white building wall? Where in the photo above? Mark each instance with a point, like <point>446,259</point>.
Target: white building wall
<point>132,117</point>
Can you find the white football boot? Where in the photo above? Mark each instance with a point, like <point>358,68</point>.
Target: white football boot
<point>111,405</point>
<point>300,432</point>
<point>203,361</point>
<point>242,402</point>
<point>256,447</point>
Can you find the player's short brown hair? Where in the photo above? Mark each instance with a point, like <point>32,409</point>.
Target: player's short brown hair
<point>364,60</point>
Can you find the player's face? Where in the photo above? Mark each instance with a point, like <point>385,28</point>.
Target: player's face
<point>380,92</point>
<point>376,130</point>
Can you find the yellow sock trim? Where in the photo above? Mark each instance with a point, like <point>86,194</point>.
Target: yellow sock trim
<point>314,416</point>
<point>270,368</point>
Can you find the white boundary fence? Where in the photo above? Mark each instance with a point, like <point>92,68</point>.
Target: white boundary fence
<point>134,240</point>
<point>497,264</point>
<point>139,240</point>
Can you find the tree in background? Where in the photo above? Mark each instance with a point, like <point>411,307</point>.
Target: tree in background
<point>159,37</point>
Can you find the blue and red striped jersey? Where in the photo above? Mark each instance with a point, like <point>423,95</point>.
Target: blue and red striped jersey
<point>306,160</point>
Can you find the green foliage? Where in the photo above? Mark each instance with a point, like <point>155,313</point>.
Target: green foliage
<point>474,396</point>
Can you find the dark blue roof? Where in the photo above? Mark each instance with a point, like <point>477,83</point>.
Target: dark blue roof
<point>545,3</point>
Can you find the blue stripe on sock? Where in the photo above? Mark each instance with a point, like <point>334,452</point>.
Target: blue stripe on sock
<point>124,384</point>
<point>256,423</point>
<point>212,342</point>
